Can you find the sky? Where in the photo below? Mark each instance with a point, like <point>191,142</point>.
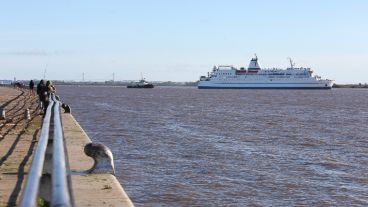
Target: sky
<point>180,40</point>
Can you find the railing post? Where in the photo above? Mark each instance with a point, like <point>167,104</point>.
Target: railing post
<point>2,113</point>
<point>27,117</point>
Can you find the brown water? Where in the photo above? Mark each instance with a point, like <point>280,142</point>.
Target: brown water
<point>190,147</point>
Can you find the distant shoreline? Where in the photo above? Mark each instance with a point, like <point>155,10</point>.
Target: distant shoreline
<point>359,85</point>
<point>170,83</point>
<point>163,83</point>
<point>123,83</point>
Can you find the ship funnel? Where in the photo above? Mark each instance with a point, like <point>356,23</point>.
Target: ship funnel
<point>253,65</point>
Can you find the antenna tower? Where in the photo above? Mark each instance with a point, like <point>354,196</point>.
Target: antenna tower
<point>44,71</point>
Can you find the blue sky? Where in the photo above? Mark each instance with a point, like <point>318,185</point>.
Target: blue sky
<point>180,40</point>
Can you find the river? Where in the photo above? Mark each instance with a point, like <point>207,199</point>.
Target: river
<point>181,146</point>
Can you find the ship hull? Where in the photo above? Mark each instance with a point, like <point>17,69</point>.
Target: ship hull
<point>306,88</point>
<point>211,85</point>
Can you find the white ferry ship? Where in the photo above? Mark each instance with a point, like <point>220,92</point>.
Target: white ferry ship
<point>229,77</point>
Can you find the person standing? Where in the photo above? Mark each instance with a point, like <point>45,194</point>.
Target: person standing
<point>47,90</point>
<point>31,87</point>
<point>42,94</point>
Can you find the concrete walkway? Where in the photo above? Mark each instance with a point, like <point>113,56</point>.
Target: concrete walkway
<point>17,142</point>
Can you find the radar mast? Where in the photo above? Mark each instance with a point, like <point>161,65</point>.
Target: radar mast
<point>292,64</point>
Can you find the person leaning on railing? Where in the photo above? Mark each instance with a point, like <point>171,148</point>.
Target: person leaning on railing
<point>50,87</point>
<point>44,92</point>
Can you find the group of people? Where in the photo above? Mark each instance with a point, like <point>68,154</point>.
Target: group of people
<point>43,92</point>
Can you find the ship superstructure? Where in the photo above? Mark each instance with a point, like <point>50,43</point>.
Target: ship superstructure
<point>229,77</point>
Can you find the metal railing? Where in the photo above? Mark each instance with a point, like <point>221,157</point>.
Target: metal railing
<point>60,191</point>
<point>51,130</point>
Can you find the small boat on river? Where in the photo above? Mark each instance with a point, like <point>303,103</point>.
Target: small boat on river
<point>140,84</point>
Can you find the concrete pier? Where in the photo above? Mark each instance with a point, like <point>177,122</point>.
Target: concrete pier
<point>18,140</point>
<point>89,189</point>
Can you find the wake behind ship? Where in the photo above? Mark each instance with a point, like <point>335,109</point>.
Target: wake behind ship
<point>229,77</point>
